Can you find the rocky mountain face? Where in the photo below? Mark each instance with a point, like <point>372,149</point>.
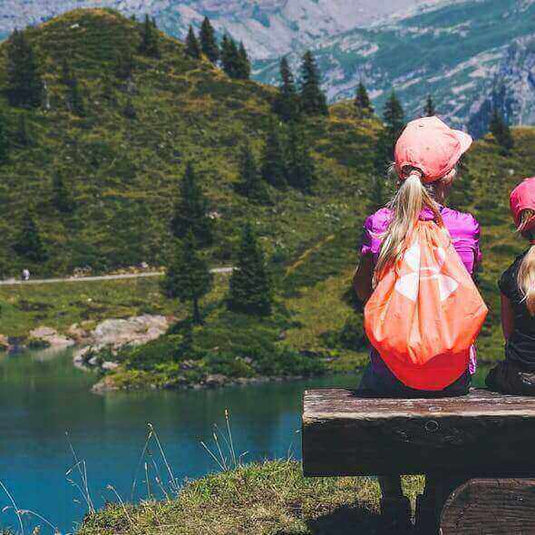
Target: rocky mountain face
<point>469,55</point>
<point>269,28</point>
<point>512,90</point>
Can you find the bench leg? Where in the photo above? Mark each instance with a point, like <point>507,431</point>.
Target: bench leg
<point>429,505</point>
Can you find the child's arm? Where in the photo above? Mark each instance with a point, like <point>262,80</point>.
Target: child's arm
<point>508,317</point>
<point>363,278</point>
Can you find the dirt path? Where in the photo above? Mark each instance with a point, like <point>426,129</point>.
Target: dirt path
<point>13,282</point>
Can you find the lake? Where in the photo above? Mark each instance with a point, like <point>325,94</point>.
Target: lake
<point>43,397</point>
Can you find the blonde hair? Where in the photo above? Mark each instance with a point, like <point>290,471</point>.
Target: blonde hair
<point>410,199</point>
<point>526,272</point>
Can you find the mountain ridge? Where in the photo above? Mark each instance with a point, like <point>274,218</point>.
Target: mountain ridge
<point>268,28</point>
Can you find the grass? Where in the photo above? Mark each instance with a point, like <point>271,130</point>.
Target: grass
<point>61,305</point>
<point>258,499</point>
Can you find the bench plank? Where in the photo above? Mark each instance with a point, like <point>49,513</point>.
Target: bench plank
<point>482,434</point>
<point>492,507</point>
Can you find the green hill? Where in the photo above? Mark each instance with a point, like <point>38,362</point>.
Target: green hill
<point>123,172</point>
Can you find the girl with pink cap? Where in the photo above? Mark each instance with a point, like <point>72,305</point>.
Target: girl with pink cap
<point>516,374</point>
<point>426,156</point>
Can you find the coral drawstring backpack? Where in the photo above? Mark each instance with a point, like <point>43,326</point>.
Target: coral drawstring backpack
<point>426,312</point>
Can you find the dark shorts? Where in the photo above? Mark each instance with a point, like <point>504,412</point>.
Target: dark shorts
<point>386,384</point>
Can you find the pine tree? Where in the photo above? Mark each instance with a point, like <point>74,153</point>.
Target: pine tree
<point>124,65</point>
<point>230,57</point>
<point>250,285</point>
<point>28,243</point>
<point>191,211</point>
<point>24,135</point>
<point>377,194</point>
<point>4,141</point>
<point>250,184</point>
<point>24,84</point>
<point>66,73</point>
<point>61,196</point>
<point>75,101</point>
<point>188,277</point>
<point>313,100</point>
<point>429,108</point>
<point>129,110</point>
<point>108,89</point>
<point>286,104</point>
<point>273,158</point>
<point>462,195</point>
<point>501,132</point>
<point>300,167</point>
<point>209,45</point>
<point>149,45</point>
<point>243,71</point>
<point>362,100</point>
<point>394,122</point>
<point>75,98</point>
<point>393,116</point>
<point>193,49</point>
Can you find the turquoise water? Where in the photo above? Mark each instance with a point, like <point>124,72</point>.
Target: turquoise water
<point>43,397</point>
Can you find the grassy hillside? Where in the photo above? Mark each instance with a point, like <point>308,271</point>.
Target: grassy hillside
<point>123,172</point>
<point>268,498</point>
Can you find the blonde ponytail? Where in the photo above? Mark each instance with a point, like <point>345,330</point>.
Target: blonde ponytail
<point>411,198</point>
<point>526,272</point>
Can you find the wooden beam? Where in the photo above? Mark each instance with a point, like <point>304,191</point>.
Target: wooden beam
<point>491,507</point>
<point>482,434</point>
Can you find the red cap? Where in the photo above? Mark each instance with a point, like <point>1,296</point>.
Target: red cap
<point>523,198</point>
<point>431,146</point>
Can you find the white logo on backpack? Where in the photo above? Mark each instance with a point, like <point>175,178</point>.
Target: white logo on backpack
<point>408,285</point>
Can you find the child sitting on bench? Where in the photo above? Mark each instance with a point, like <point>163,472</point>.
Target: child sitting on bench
<point>423,311</point>
<point>516,374</point>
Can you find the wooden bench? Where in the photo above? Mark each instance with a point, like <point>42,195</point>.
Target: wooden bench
<point>482,435</point>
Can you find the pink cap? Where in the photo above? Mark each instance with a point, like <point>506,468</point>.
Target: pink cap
<point>431,146</point>
<point>523,198</point>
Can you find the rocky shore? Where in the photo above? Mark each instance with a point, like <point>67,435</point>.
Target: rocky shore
<point>108,384</point>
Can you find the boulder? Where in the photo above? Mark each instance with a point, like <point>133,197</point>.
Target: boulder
<point>215,380</point>
<point>106,384</point>
<point>50,337</point>
<point>78,333</point>
<point>133,331</point>
<point>4,343</point>
<point>108,365</point>
<point>80,358</point>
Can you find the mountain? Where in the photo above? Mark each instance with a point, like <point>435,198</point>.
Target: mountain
<point>459,52</point>
<point>269,28</point>
<point>122,159</point>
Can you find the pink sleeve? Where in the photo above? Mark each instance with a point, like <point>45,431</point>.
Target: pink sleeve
<point>465,236</point>
<point>479,256</point>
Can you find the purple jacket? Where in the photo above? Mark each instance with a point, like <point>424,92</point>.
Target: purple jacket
<point>464,231</point>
